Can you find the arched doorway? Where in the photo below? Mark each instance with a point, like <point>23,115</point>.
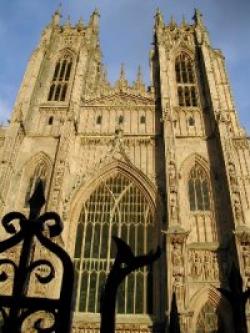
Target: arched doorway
<point>117,206</point>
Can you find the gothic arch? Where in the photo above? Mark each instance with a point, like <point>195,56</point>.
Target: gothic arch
<point>190,161</point>
<point>64,51</point>
<point>180,48</point>
<point>86,188</point>
<point>83,218</point>
<point>212,296</point>
<point>199,220</point>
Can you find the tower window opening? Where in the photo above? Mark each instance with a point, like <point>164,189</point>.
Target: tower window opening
<point>51,92</point>
<point>143,119</point>
<point>99,120</point>
<point>120,120</point>
<point>191,121</point>
<point>51,119</point>
<point>64,91</point>
<point>59,86</point>
<point>57,93</point>
<point>185,79</point>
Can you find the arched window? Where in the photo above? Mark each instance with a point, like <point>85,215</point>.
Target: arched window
<point>59,86</point>
<point>185,79</point>
<point>99,120</point>
<point>142,119</point>
<point>120,120</point>
<point>116,207</point>
<point>40,174</point>
<point>198,190</point>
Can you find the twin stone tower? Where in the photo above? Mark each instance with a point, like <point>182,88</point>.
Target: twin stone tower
<point>166,165</point>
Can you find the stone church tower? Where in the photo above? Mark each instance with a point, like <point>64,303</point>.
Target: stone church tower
<point>168,165</point>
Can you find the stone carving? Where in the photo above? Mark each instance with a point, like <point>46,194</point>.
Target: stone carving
<point>172,174</point>
<point>238,208</point>
<point>177,239</point>
<point>206,265</point>
<point>177,261</point>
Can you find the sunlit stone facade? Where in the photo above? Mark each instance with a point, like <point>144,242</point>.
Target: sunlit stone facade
<point>168,165</point>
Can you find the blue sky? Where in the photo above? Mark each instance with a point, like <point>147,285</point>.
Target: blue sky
<point>126,37</point>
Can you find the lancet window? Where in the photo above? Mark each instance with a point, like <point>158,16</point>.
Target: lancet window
<point>185,80</point>
<point>116,207</point>
<point>198,189</point>
<point>40,174</point>
<point>60,81</point>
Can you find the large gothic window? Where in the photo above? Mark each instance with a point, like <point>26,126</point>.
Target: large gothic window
<point>117,207</point>
<point>198,189</point>
<point>185,79</point>
<point>208,320</point>
<point>40,174</point>
<point>59,84</point>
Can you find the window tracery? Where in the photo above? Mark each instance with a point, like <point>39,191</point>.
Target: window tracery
<point>185,79</point>
<point>59,84</point>
<point>198,189</point>
<point>116,207</point>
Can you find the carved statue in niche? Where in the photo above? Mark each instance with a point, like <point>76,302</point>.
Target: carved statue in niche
<point>203,265</point>
<point>216,266</point>
<point>237,207</point>
<point>173,206</point>
<point>177,261</point>
<point>172,174</point>
<point>232,175</point>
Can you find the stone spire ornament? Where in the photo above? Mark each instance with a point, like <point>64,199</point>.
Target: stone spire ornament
<point>80,24</point>
<point>158,18</point>
<point>57,15</point>
<point>198,17</point>
<point>122,81</point>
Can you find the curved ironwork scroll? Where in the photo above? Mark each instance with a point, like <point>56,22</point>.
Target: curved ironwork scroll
<point>19,306</point>
<point>125,263</point>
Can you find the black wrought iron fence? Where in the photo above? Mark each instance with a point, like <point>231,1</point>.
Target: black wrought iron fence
<point>18,308</point>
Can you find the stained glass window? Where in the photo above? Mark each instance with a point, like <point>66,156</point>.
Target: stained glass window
<point>185,79</point>
<point>198,190</point>
<point>116,207</point>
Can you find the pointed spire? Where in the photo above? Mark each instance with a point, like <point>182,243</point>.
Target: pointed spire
<point>122,82</point>
<point>80,24</point>
<point>94,18</point>
<point>183,23</point>
<point>158,18</point>
<point>198,17</point>
<point>122,73</point>
<point>139,85</point>
<point>57,15</point>
<point>139,75</point>
<point>202,34</point>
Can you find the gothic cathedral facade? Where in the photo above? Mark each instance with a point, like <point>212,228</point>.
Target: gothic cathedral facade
<point>166,165</point>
